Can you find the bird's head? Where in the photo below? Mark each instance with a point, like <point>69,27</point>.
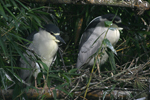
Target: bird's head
<point>112,17</point>
<point>54,31</point>
<point>116,21</point>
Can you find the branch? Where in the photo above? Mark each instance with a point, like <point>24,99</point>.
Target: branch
<point>140,4</point>
<point>32,93</point>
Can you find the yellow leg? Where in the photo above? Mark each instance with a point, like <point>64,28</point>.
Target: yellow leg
<point>98,69</point>
<point>35,82</point>
<point>45,83</point>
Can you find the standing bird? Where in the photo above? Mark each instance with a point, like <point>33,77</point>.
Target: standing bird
<point>93,37</point>
<point>44,45</point>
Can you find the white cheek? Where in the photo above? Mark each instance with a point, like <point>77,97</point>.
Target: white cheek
<point>56,40</point>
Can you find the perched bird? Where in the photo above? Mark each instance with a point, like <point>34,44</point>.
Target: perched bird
<point>44,45</point>
<point>91,39</point>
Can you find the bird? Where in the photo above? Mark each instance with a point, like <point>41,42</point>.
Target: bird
<point>93,36</point>
<point>44,45</point>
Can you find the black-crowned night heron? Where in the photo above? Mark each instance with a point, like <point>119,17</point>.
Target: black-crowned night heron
<point>93,36</point>
<point>44,45</point>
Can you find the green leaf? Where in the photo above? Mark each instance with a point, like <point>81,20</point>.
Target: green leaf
<point>17,77</point>
<point>5,6</point>
<point>61,89</point>
<point>43,64</point>
<point>39,76</point>
<point>14,4</point>
<point>22,5</point>
<point>2,75</point>
<point>36,19</point>
<point>109,45</point>
<point>108,91</point>
<point>112,60</point>
<point>73,70</point>
<point>67,78</point>
<point>19,51</point>
<point>54,76</point>
<point>43,97</point>
<point>2,12</point>
<point>19,38</point>
<point>56,71</point>
<point>55,94</point>
<point>16,92</point>
<point>2,45</point>
<point>108,23</point>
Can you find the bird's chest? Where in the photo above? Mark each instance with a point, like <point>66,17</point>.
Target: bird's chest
<point>113,36</point>
<point>46,49</point>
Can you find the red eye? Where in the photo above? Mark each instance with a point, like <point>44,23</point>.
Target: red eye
<point>113,21</point>
<point>52,33</point>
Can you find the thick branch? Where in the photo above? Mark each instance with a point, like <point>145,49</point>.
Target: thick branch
<point>140,4</point>
<point>32,93</point>
<point>122,3</point>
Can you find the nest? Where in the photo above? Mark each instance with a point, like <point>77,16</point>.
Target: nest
<point>127,82</point>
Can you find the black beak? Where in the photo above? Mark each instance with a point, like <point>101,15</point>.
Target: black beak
<point>60,39</point>
<point>123,26</point>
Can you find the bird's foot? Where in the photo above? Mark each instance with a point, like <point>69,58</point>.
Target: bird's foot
<point>46,89</point>
<point>42,88</point>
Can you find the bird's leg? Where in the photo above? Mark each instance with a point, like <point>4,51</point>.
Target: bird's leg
<point>46,86</point>
<point>35,83</point>
<point>45,82</point>
<point>98,69</point>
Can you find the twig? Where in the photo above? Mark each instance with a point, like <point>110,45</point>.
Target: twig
<point>73,89</point>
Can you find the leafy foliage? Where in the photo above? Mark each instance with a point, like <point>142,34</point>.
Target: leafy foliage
<point>19,19</point>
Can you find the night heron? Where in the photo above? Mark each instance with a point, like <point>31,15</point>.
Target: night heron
<point>93,36</point>
<point>44,45</point>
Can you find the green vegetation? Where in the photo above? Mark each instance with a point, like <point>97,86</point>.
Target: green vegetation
<point>18,19</point>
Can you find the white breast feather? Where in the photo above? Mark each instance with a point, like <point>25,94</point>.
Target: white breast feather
<point>45,46</point>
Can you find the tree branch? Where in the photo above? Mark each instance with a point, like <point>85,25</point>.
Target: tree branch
<point>140,4</point>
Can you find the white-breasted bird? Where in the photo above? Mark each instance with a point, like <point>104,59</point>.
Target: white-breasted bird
<point>44,45</point>
<point>93,36</point>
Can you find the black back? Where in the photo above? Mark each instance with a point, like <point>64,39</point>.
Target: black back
<point>51,28</point>
<point>110,17</point>
<point>91,26</point>
<point>48,27</point>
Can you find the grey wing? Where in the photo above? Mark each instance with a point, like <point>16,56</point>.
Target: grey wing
<point>87,49</point>
<point>89,30</point>
<point>27,64</point>
<point>85,36</point>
